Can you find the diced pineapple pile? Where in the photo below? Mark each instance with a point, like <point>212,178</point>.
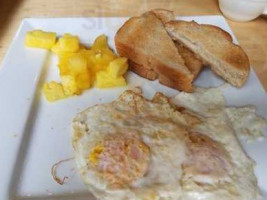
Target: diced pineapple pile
<point>79,67</point>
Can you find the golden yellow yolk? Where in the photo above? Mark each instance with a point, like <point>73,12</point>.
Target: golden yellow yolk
<point>120,160</point>
<point>94,155</point>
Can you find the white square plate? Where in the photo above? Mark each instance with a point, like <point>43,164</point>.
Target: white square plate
<point>35,134</point>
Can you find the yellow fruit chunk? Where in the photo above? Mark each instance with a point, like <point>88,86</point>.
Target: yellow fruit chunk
<point>70,86</point>
<point>68,58</point>
<point>63,58</point>
<point>104,57</point>
<point>83,80</point>
<point>67,43</point>
<point>62,65</point>
<point>90,64</point>
<point>77,64</point>
<point>117,67</point>
<point>101,55</point>
<point>63,69</point>
<point>56,48</point>
<point>40,39</point>
<point>100,43</point>
<point>101,59</point>
<point>65,55</point>
<point>104,80</point>
<point>53,91</point>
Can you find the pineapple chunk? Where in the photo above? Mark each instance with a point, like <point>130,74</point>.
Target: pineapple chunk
<point>65,55</point>
<point>40,39</point>
<point>100,43</point>
<point>85,52</point>
<point>53,91</point>
<point>101,59</point>
<point>66,60</point>
<point>63,69</point>
<point>104,80</point>
<point>77,64</point>
<point>84,80</point>
<point>105,56</point>
<point>117,67</point>
<point>67,43</point>
<point>70,86</point>
<point>63,63</point>
<point>101,54</point>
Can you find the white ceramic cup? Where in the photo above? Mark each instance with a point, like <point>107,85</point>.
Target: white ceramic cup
<point>242,10</point>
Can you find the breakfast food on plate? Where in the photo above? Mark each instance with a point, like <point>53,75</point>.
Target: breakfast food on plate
<point>145,41</point>
<point>147,73</point>
<point>210,103</point>
<point>66,43</point>
<point>40,39</point>
<point>53,91</point>
<point>215,47</point>
<point>134,148</point>
<point>193,63</point>
<point>79,67</point>
<point>113,75</point>
<point>98,66</point>
<point>152,53</point>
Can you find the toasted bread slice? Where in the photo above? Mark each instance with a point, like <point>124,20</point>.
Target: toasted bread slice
<point>194,64</point>
<point>215,47</point>
<point>142,71</point>
<point>145,41</point>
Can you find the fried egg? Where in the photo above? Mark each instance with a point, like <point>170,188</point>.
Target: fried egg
<point>139,149</point>
<point>222,125</point>
<point>131,148</point>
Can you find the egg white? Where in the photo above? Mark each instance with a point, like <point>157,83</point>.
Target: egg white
<point>165,131</point>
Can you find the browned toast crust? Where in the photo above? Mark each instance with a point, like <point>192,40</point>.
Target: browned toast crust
<point>163,15</point>
<point>145,42</point>
<point>174,79</point>
<point>142,71</point>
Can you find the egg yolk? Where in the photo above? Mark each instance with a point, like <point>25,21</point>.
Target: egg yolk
<point>120,160</point>
<point>97,150</point>
<point>206,157</point>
